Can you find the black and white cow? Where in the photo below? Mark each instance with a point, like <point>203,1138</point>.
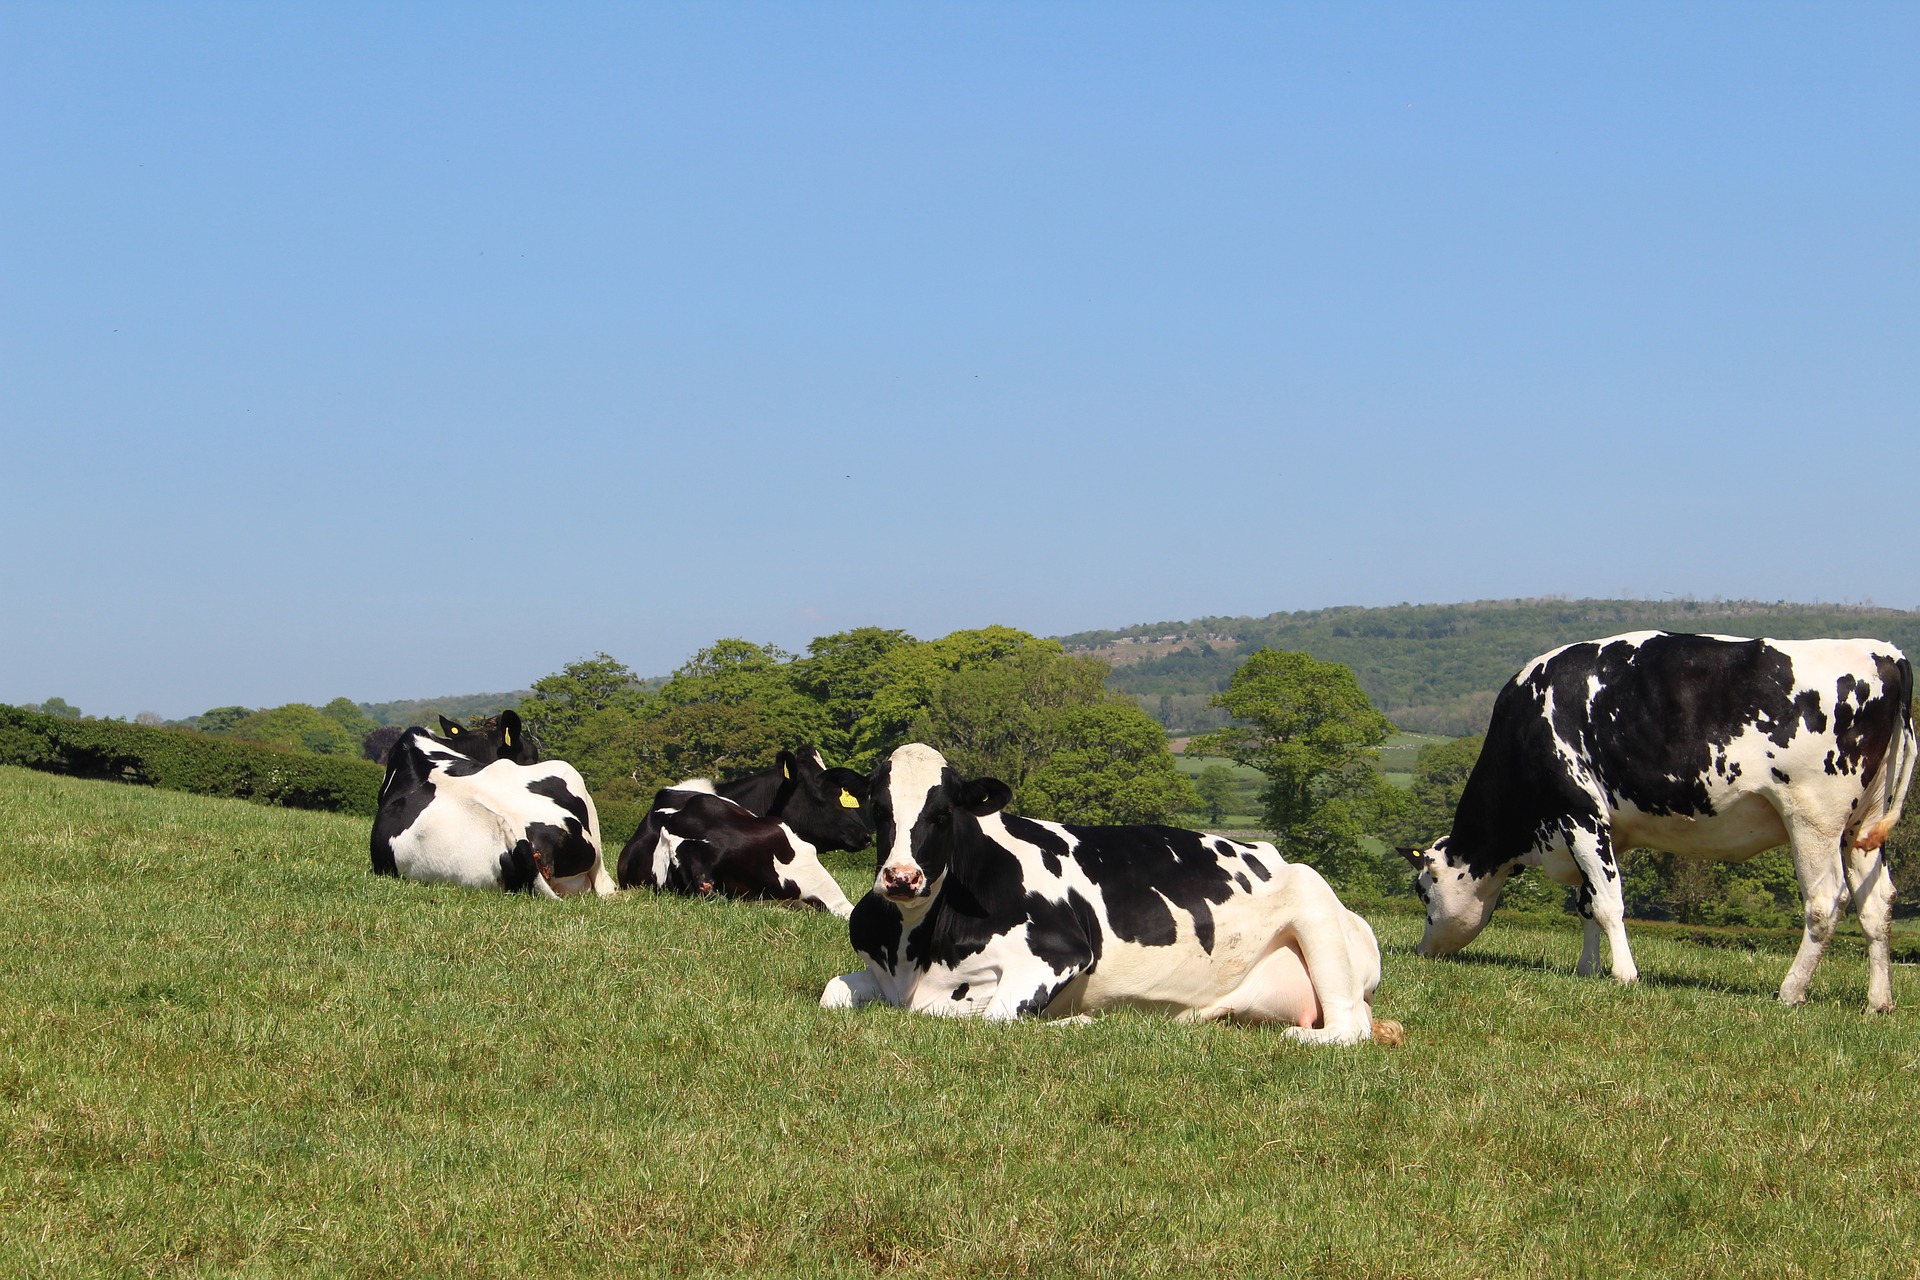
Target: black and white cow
<point>754,837</point>
<point>463,810</point>
<point>1705,746</point>
<point>977,913</point>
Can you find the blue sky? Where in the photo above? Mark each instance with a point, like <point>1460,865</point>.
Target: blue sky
<point>400,350</point>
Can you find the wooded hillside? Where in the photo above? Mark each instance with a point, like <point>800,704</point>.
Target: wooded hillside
<point>1434,668</point>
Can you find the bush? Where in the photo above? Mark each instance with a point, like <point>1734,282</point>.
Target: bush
<point>178,760</point>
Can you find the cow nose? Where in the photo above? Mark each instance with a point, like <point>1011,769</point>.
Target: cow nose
<point>902,879</point>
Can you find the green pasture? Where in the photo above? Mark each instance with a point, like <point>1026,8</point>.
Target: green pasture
<point>225,1049</point>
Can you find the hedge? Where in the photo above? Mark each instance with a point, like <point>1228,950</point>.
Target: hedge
<point>180,760</point>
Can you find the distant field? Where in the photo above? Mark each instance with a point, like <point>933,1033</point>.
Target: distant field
<point>226,1049</point>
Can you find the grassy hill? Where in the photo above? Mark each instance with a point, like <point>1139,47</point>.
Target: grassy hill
<point>1435,668</point>
<point>225,1048</point>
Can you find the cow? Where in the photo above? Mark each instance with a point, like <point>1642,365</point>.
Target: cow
<point>754,837</point>
<point>465,810</point>
<point>975,912</point>
<point>1709,747</point>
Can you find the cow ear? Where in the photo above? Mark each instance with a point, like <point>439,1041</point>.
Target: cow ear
<point>845,787</point>
<point>1415,856</point>
<point>449,729</point>
<point>785,761</point>
<point>509,729</point>
<point>982,796</point>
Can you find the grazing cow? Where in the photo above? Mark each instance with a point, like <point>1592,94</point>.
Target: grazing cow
<point>977,913</point>
<point>755,837</point>
<point>463,810</point>
<point>1704,746</point>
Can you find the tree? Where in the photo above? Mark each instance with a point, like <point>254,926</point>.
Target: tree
<point>1109,764</point>
<point>351,717</point>
<point>562,702</point>
<point>220,720</point>
<point>1307,725</point>
<point>907,677</point>
<point>1216,788</point>
<point>297,726</point>
<point>1439,776</point>
<point>1003,719</point>
<point>842,673</point>
<point>728,710</point>
<point>55,707</point>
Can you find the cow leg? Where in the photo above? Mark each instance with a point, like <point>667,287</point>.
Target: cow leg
<point>1589,934</point>
<point>851,990</point>
<point>1603,904</point>
<point>1818,865</point>
<point>813,883</point>
<point>1873,899</point>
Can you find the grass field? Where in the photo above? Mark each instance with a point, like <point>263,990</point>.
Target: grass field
<point>225,1049</point>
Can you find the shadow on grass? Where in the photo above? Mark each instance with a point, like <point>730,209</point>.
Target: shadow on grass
<point>1656,978</point>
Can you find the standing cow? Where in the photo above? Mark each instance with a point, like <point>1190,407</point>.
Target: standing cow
<point>1704,746</point>
<point>974,912</point>
<point>754,837</point>
<point>464,810</point>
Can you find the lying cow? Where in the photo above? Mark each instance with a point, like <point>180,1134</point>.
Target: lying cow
<point>1704,746</point>
<point>754,837</point>
<point>463,810</point>
<point>977,913</point>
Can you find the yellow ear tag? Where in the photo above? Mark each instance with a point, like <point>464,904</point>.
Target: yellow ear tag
<point>506,737</point>
<point>847,801</point>
<point>453,731</point>
<point>785,772</point>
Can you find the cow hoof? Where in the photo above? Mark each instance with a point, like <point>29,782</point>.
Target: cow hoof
<point>838,995</point>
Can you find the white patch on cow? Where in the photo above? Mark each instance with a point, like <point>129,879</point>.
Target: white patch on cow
<point>914,773</point>
<point>704,785</point>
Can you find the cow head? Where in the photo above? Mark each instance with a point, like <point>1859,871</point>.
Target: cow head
<point>502,737</point>
<point>921,807</point>
<point>822,805</point>
<point>1458,902</point>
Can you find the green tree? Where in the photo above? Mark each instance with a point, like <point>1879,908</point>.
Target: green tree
<point>55,707</point>
<point>907,677</point>
<point>351,717</point>
<point>1109,764</point>
<point>297,726</point>
<point>1216,788</point>
<point>562,702</point>
<point>1439,776</point>
<point>1307,725</point>
<point>1003,719</point>
<point>841,674</point>
<point>729,709</point>
<point>220,720</point>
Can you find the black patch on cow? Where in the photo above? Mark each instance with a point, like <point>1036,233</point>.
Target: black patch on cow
<point>1139,870</point>
<point>1256,866</point>
<point>874,930</point>
<point>1052,848</point>
<point>517,868</point>
<point>1240,878</point>
<point>960,992</point>
<point>1662,712</point>
<point>1036,1004</point>
<point>566,849</point>
<point>1780,774</point>
<point>557,790</point>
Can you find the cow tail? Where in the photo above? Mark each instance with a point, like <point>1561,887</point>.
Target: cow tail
<point>1389,1033</point>
<point>1889,786</point>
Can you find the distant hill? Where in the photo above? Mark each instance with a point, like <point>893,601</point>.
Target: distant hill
<point>426,711</point>
<point>1434,668</point>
